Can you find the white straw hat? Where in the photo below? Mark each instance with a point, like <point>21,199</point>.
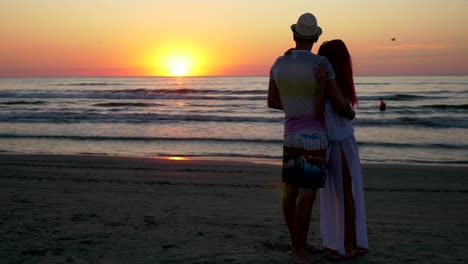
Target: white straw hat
<point>306,27</point>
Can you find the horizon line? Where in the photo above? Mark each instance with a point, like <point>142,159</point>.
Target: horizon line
<point>211,76</point>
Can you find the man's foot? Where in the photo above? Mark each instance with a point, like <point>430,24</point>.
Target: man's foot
<point>303,257</point>
<point>306,259</point>
<point>314,249</point>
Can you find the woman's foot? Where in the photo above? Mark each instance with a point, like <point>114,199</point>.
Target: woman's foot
<point>314,249</point>
<point>326,250</point>
<point>361,251</point>
<point>334,255</point>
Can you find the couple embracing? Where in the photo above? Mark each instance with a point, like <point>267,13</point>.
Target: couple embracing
<point>316,94</point>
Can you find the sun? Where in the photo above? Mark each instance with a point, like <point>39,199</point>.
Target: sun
<point>179,65</point>
<point>177,60</point>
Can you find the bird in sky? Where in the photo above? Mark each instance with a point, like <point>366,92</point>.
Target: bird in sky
<point>394,39</point>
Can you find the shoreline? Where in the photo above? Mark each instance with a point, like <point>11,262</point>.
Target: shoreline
<point>270,161</point>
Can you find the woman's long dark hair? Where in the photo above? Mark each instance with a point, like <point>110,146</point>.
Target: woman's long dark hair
<point>337,53</point>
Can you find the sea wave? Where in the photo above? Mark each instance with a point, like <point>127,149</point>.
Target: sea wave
<point>390,160</point>
<point>132,138</point>
<point>412,83</point>
<point>90,84</point>
<point>142,95</point>
<point>447,106</point>
<point>397,97</point>
<point>412,145</point>
<point>226,140</point>
<point>190,91</point>
<point>22,103</point>
<point>91,117</point>
<point>441,83</point>
<point>199,94</point>
<point>121,104</point>
<point>452,121</point>
<point>412,110</point>
<point>373,83</point>
<point>431,122</point>
<point>426,109</point>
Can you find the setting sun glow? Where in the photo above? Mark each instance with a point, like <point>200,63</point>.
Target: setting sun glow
<point>178,60</point>
<point>179,66</point>
<point>224,38</point>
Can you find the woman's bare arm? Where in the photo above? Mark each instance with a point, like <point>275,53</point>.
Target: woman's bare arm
<point>339,103</point>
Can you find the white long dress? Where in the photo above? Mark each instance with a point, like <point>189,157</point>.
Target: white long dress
<point>341,132</point>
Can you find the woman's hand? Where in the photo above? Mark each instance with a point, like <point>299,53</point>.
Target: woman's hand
<point>321,74</point>
<point>352,113</point>
<point>288,51</point>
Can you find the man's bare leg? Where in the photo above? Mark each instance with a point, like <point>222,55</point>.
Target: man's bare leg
<point>305,201</point>
<point>289,208</point>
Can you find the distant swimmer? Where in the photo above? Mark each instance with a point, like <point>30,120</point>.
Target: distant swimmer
<point>383,105</point>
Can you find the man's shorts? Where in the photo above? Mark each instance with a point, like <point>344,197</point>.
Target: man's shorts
<point>305,158</point>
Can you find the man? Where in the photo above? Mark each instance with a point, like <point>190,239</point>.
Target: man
<point>294,89</point>
<point>383,105</point>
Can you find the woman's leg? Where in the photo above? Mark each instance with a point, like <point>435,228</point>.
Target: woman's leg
<point>350,210</point>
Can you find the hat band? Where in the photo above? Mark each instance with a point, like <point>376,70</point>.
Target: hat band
<point>316,34</point>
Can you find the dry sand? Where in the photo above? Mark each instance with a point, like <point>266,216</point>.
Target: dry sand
<point>89,209</point>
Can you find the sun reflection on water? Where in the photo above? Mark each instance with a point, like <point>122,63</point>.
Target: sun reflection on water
<point>176,158</point>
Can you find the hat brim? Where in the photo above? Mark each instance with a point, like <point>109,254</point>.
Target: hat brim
<point>317,34</point>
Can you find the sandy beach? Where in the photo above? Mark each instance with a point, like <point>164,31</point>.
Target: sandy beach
<point>102,209</point>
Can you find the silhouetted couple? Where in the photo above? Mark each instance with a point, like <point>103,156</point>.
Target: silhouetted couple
<point>317,95</point>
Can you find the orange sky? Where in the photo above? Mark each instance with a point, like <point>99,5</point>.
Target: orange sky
<point>243,37</point>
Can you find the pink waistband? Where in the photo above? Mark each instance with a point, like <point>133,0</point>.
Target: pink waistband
<point>297,125</point>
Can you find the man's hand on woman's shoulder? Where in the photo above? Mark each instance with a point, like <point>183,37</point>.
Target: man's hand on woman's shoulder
<point>288,51</point>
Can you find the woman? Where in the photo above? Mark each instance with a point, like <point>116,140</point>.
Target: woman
<point>342,212</point>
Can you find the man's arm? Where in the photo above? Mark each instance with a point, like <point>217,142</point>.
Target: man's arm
<point>339,103</point>
<point>274,100</point>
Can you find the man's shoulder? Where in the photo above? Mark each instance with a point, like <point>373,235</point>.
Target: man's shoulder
<point>313,56</point>
<point>302,58</point>
<point>295,56</point>
<point>279,60</point>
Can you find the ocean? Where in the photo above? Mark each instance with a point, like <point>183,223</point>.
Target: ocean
<point>425,122</point>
